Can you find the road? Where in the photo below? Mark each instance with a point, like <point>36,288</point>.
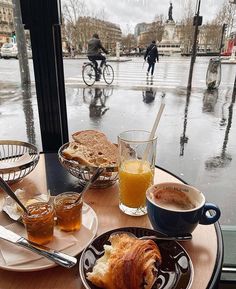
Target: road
<point>170,72</point>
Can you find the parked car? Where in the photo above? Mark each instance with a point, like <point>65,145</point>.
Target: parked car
<point>10,50</point>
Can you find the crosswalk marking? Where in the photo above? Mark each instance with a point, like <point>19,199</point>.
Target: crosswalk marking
<point>132,74</point>
<point>134,80</point>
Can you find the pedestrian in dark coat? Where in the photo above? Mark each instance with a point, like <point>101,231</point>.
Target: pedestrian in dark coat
<point>151,56</point>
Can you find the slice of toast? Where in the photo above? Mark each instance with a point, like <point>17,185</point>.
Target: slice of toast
<point>92,148</point>
<point>78,153</point>
<point>89,137</point>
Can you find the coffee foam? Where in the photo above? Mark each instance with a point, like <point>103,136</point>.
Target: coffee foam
<point>172,198</point>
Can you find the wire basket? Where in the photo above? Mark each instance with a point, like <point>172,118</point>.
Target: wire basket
<point>84,172</point>
<point>17,160</point>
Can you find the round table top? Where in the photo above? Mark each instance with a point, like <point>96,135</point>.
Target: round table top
<point>205,248</point>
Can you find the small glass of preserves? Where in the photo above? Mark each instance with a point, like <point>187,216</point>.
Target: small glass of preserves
<point>39,223</point>
<point>68,211</point>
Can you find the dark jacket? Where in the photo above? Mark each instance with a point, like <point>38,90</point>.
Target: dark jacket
<point>95,47</point>
<point>151,53</point>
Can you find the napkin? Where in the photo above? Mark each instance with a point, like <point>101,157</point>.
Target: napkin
<point>15,255</point>
<point>12,209</point>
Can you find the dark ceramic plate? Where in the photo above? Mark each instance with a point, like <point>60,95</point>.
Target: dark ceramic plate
<point>176,271</point>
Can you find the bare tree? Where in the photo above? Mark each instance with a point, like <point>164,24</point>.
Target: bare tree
<point>211,33</point>
<point>101,14</point>
<point>128,40</point>
<point>186,29</point>
<point>208,33</point>
<point>156,29</point>
<point>100,27</point>
<point>128,29</point>
<point>144,39</point>
<point>226,15</point>
<point>80,24</point>
<point>72,11</point>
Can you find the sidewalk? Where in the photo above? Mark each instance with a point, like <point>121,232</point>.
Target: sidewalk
<point>109,59</point>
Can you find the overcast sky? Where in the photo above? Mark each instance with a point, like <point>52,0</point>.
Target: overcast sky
<point>131,12</point>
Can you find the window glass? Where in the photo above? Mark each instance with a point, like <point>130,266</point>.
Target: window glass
<point>7,45</point>
<point>18,104</point>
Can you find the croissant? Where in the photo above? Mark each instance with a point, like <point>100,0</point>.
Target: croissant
<point>128,263</point>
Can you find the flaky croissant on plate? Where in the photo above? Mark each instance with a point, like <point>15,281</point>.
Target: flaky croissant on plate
<point>128,263</point>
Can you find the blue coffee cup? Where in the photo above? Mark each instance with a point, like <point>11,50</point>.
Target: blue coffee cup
<point>177,209</point>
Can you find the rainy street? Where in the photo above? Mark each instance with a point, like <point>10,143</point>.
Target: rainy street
<point>196,134</point>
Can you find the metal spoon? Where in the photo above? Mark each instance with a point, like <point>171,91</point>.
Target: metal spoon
<point>168,238</point>
<point>9,191</point>
<point>94,177</point>
<point>161,238</point>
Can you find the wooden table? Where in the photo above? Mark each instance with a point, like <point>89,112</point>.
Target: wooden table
<point>205,249</point>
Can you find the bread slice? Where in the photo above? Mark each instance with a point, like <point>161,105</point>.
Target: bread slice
<point>128,263</point>
<point>79,153</point>
<point>89,137</point>
<point>92,148</point>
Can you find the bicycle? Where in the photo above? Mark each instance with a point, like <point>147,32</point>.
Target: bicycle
<point>89,73</point>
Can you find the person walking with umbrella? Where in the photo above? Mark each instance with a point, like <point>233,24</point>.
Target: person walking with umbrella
<point>151,56</point>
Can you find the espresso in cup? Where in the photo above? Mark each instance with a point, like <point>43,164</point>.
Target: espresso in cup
<point>176,209</point>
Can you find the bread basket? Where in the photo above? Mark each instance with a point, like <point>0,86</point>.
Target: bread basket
<point>84,172</point>
<point>17,159</point>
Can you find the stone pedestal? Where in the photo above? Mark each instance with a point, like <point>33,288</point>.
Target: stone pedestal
<point>170,42</point>
<point>169,32</point>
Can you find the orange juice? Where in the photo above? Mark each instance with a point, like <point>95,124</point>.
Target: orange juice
<point>135,176</point>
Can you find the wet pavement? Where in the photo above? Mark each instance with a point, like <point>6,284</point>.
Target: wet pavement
<point>196,135</point>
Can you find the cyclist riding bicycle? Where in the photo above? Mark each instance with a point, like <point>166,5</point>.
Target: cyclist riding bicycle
<point>94,53</point>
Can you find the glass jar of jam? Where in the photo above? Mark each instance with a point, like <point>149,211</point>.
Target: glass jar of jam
<point>68,211</point>
<point>39,223</point>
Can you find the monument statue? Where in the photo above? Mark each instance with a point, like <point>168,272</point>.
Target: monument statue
<point>170,12</point>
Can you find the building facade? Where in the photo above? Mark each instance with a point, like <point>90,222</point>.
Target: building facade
<point>78,37</point>
<point>109,33</point>
<point>6,21</point>
<point>140,28</point>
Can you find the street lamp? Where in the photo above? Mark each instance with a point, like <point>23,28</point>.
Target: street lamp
<point>224,27</point>
<point>234,91</point>
<point>197,21</point>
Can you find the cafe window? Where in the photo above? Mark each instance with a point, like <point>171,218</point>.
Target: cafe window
<point>41,106</point>
<point>15,90</point>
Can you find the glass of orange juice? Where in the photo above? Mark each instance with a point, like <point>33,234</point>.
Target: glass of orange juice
<point>137,155</point>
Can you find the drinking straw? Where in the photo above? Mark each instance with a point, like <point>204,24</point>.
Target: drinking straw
<point>154,128</point>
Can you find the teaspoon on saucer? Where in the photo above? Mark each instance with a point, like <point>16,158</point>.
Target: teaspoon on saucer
<point>160,238</point>
<point>167,238</point>
<point>9,191</point>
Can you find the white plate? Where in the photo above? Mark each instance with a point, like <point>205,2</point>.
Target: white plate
<point>84,237</point>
